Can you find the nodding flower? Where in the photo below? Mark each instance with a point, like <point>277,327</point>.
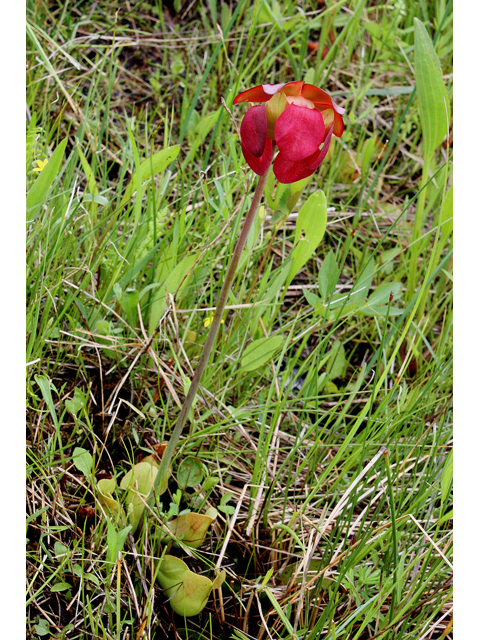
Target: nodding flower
<point>298,117</point>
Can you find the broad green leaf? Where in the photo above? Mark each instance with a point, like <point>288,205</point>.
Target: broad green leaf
<point>46,389</point>
<point>60,586</point>
<point>115,543</point>
<point>349,302</point>
<point>446,226</point>
<point>42,628</point>
<point>259,352</point>
<point>206,123</point>
<point>363,284</point>
<point>328,276</point>
<point>60,549</point>
<point>311,298</point>
<point>40,188</point>
<point>446,216</point>
<point>381,311</point>
<point>337,362</point>
<point>148,168</point>
<point>378,302</point>
<point>381,295</point>
<point>77,403</point>
<point>178,279</point>
<point>446,220</point>
<point>434,103</point>
<point>128,302</point>
<point>191,472</point>
<point>309,231</point>
<point>83,460</point>
<point>312,219</point>
<point>367,154</point>
<point>387,257</point>
<point>186,591</point>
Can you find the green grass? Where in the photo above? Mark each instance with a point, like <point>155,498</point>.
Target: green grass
<point>336,452</point>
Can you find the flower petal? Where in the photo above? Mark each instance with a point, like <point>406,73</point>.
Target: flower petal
<point>293,88</point>
<point>274,109</point>
<point>331,117</point>
<point>323,101</point>
<point>256,94</point>
<point>253,130</point>
<point>262,164</point>
<point>299,132</point>
<point>272,89</point>
<point>320,97</point>
<point>287,172</point>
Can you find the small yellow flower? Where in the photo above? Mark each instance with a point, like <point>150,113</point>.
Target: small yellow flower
<point>41,164</point>
<point>208,321</point>
<point>262,213</point>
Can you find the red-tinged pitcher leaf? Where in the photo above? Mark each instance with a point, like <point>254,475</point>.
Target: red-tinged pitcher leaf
<point>191,528</point>
<point>191,472</point>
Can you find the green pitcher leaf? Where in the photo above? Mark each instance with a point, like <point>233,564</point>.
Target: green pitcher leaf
<point>106,489</point>
<point>187,592</point>
<point>433,98</point>
<point>191,472</point>
<point>137,483</point>
<point>191,528</point>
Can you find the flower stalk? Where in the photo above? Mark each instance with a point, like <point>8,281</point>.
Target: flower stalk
<point>212,334</point>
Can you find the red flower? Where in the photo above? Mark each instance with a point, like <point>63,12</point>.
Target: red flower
<point>299,118</point>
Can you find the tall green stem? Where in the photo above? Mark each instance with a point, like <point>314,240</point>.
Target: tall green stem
<point>212,334</point>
